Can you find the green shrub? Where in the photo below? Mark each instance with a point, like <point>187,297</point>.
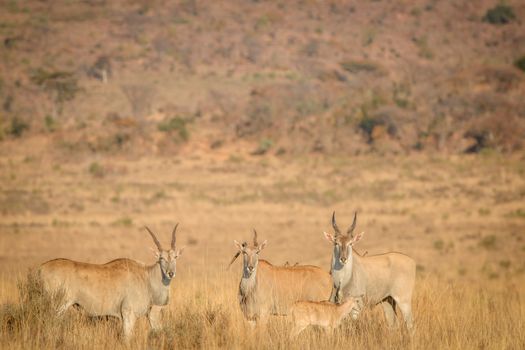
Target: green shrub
<point>500,14</point>
<point>484,211</point>
<point>120,139</point>
<point>518,213</point>
<point>520,63</point>
<point>17,127</point>
<point>96,169</point>
<point>401,95</point>
<point>424,48</point>
<point>369,122</point>
<point>124,221</point>
<point>359,66</point>
<point>488,242</point>
<point>439,244</point>
<point>505,264</point>
<point>311,49</point>
<point>264,146</point>
<point>175,124</point>
<point>50,123</point>
<point>63,85</point>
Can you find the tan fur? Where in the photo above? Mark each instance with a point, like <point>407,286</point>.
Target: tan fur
<point>322,313</point>
<point>386,279</point>
<point>123,288</point>
<point>266,289</point>
<point>277,287</point>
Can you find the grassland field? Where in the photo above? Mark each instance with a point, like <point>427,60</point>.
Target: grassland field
<point>461,218</point>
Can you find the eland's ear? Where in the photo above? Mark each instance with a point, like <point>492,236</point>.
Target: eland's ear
<point>262,245</point>
<point>357,238</point>
<point>156,253</point>
<point>238,245</point>
<point>179,252</point>
<point>329,237</point>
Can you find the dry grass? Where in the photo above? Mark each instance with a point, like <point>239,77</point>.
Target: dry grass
<point>470,285</point>
<point>204,314</point>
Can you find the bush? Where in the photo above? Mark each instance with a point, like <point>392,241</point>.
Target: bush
<point>96,169</point>
<point>63,85</point>
<point>500,14</point>
<point>520,63</point>
<point>17,127</point>
<point>124,221</point>
<point>360,66</point>
<point>497,131</point>
<point>36,312</point>
<point>175,124</point>
<point>488,242</point>
<point>259,117</point>
<point>50,123</point>
<point>264,146</point>
<point>369,122</point>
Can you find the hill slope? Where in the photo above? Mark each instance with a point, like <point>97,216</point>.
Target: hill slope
<point>280,77</point>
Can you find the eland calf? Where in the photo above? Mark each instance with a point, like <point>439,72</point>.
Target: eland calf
<point>322,313</point>
<point>266,289</point>
<point>387,279</point>
<point>123,288</point>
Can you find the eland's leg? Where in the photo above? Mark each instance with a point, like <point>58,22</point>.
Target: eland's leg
<point>298,328</point>
<point>389,308</point>
<point>63,308</point>
<point>154,317</point>
<point>406,310</point>
<point>128,322</point>
<point>334,294</point>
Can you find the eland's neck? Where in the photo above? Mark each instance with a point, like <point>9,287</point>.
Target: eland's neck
<point>248,282</point>
<point>342,273</point>
<point>159,285</point>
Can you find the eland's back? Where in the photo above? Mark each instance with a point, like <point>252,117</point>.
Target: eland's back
<point>99,289</point>
<point>280,286</point>
<point>383,275</point>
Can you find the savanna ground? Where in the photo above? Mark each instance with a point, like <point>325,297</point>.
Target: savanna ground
<point>461,218</point>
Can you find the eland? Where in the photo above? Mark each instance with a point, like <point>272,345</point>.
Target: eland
<point>266,289</point>
<point>322,313</point>
<point>387,279</point>
<point>123,288</point>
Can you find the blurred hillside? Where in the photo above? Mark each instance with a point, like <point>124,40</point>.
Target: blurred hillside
<point>277,77</point>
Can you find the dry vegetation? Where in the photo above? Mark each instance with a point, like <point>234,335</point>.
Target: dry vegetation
<point>136,76</point>
<point>225,116</point>
<point>461,218</point>
<point>205,315</point>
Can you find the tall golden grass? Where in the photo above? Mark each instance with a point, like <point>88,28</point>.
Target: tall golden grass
<point>204,313</point>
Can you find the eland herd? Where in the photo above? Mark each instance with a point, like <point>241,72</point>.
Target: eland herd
<point>309,295</point>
